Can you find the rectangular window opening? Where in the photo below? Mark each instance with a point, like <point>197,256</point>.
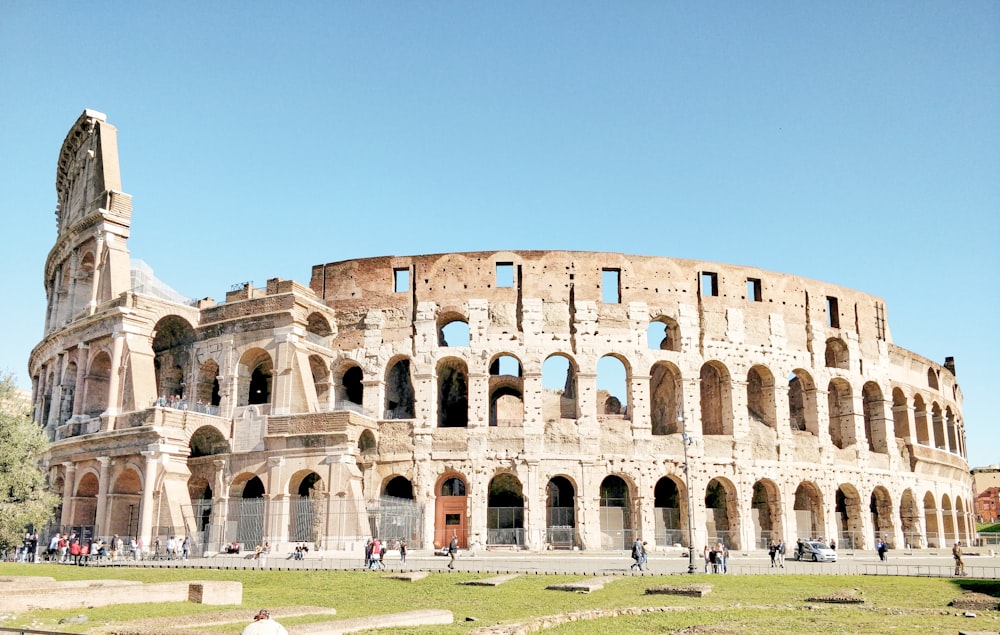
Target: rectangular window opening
<point>832,312</point>
<point>611,290</point>
<point>709,283</point>
<point>452,519</point>
<point>505,274</point>
<point>401,280</point>
<point>753,290</point>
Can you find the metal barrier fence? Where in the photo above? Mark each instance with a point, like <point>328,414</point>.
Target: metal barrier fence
<point>850,568</point>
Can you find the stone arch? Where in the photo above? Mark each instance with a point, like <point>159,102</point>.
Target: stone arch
<point>933,536</point>
<point>808,509</point>
<point>837,354</point>
<point>613,385</point>
<point>318,325</point>
<point>616,513</point>
<point>85,499</point>
<point>803,413</point>
<point>84,280</point>
<point>255,374</point>
<point>670,503</point>
<point>909,520</point>
<point>67,385</point>
<point>366,441</point>
<point>900,415</point>
<point>350,388</point>
<point>172,339</point>
<point>560,513</point>
<point>505,511</point>
<point>716,399</point>
<point>398,487</point>
<point>938,425</point>
<point>766,504</point>
<point>948,520</point>
<point>307,504</point>
<point>882,517</point>
<point>932,379</point>
<point>848,508</point>
<point>207,393</point>
<point>876,425</point>
<point>453,393</point>
<point>559,399</point>
<point>949,420</point>
<point>453,329</point>
<point>201,495</point>
<point>124,498</point>
<point>841,413</point>
<point>246,508</point>
<point>506,390</point>
<point>761,407</point>
<point>206,441</point>
<point>663,333</point>
<point>722,516</point>
<point>920,421</point>
<point>96,385</point>
<point>320,371</point>
<point>400,399</point>
<point>664,397</point>
<point>962,522</point>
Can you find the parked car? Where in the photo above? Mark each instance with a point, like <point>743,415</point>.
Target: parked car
<point>816,551</point>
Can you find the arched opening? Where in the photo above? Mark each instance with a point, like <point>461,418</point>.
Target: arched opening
<point>559,397</point>
<point>670,513</point>
<point>453,394</point>
<point>366,442</point>
<point>85,500</point>
<point>722,520</point>
<point>841,413</point>
<point>560,513</point>
<point>318,325</point>
<point>616,514</point>
<point>949,418</point>
<point>882,517</point>
<point>201,508</point>
<point>962,522</point>
<point>451,511</point>
<point>398,515</point>
<point>207,441</point>
<point>506,392</point>
<point>760,397</point>
<point>938,421</point>
<point>920,421</point>
<point>934,537</point>
<point>123,504</point>
<point>909,521</point>
<point>612,387</point>
<point>399,487</point>
<point>900,417</point>
<point>399,395</point>
<point>96,385</point>
<point>247,510</point>
<point>948,520</point>
<point>716,405</point>
<point>875,421</point>
<point>837,355</point>
<point>505,511</point>
<point>255,370</point>
<point>172,339</point>
<point>664,388</point>
<point>207,393</point>
<point>320,371</point>
<point>454,332</point>
<point>68,392</point>
<point>664,334</point>
<point>766,504</point>
<point>932,379</point>
<point>352,383</point>
<point>802,410</point>
<point>307,507</point>
<point>808,509</point>
<point>848,507</point>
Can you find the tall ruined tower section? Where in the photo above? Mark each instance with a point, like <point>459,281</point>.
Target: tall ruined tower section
<point>89,263</point>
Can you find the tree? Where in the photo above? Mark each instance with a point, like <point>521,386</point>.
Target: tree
<point>24,496</point>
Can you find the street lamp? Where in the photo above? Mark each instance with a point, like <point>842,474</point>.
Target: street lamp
<point>687,485</point>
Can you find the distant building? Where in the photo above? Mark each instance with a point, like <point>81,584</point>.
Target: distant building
<point>425,396</point>
<point>986,484</point>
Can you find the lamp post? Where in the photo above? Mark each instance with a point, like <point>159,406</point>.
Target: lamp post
<point>687,485</point>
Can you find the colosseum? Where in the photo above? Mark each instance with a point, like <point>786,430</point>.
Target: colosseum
<point>424,396</point>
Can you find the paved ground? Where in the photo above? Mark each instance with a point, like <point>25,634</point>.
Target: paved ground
<point>936,563</point>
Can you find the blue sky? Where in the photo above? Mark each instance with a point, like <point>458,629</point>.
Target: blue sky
<point>856,143</point>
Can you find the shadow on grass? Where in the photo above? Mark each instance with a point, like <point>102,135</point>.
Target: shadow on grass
<point>986,587</point>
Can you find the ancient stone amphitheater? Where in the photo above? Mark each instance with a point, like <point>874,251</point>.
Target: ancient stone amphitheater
<point>518,399</point>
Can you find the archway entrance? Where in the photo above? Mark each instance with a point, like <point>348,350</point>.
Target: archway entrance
<point>849,518</point>
<point>450,518</point>
<point>505,511</point>
<point>250,513</point>
<point>667,506</point>
<point>766,505</point>
<point>307,508</point>
<point>560,513</point>
<point>616,514</point>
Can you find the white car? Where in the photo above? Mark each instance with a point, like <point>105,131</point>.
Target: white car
<point>816,551</point>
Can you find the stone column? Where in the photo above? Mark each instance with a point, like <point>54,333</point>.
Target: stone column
<point>534,507</point>
<point>69,482</point>
<point>102,495</point>
<point>79,389</point>
<point>96,282</point>
<point>148,487</point>
<point>114,382</point>
<point>276,505</point>
<point>479,399</point>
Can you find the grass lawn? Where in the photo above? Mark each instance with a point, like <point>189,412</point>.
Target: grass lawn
<point>772,604</point>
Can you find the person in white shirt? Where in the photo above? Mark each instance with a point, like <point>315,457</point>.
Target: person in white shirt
<point>262,624</point>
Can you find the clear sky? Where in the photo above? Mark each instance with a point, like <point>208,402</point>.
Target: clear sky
<point>852,142</point>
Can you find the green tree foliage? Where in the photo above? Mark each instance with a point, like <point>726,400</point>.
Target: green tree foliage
<point>24,496</point>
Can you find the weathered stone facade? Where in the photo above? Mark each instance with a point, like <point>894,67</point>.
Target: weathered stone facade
<point>433,395</point>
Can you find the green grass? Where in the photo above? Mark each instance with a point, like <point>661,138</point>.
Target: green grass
<point>773,604</point>
<point>989,528</point>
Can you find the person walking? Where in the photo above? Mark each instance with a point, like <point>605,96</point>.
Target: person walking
<point>453,550</point>
<point>637,553</point>
<point>402,551</point>
<point>772,550</point>
<point>956,553</point>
